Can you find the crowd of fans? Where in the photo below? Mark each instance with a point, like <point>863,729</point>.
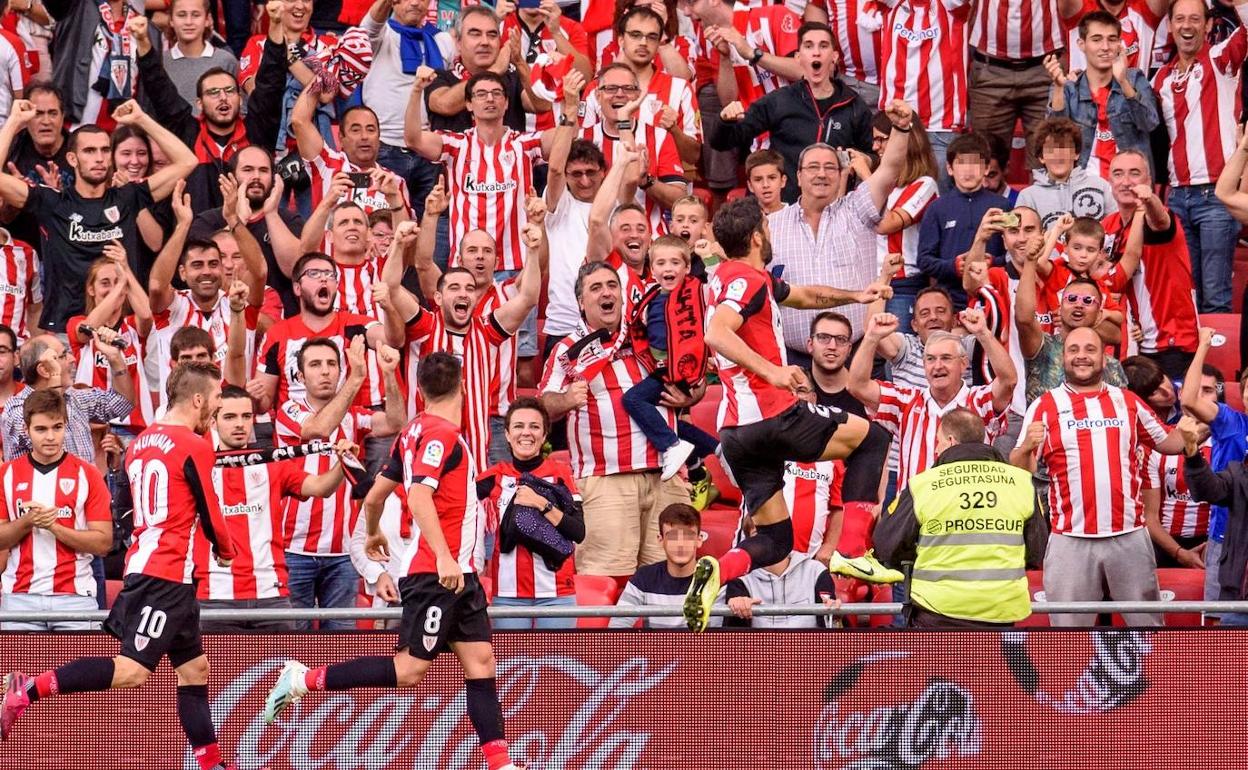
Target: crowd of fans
<point>315,196</point>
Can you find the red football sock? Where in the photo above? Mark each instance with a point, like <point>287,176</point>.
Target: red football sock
<point>315,678</point>
<point>734,564</point>
<point>208,756</point>
<point>496,755</point>
<point>45,685</point>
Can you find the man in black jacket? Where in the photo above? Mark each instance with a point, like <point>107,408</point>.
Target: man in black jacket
<point>1228,487</point>
<point>220,131</point>
<point>817,108</point>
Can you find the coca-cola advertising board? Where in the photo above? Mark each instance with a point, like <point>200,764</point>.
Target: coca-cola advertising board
<point>659,701</point>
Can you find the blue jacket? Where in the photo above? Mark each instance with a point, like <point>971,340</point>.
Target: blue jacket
<point>1130,120</point>
<point>947,232</point>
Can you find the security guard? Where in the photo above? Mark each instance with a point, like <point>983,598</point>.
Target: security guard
<point>971,524</point>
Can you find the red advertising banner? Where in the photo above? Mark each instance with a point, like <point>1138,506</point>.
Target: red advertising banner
<point>660,701</point>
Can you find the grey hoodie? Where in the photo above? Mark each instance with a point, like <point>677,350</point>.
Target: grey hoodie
<point>1082,194</point>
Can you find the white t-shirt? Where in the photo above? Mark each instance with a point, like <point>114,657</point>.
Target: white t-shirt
<point>386,88</point>
<point>567,230</point>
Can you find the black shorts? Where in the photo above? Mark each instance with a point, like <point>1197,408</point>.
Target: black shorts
<point>756,453</point>
<point>434,618</point>
<point>153,618</point>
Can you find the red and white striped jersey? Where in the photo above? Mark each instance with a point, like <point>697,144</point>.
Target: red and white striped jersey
<point>811,491</point>
<point>1004,280</point>
<point>285,339</point>
<point>355,283</point>
<point>170,472</point>
<point>519,574</point>
<point>924,60</point>
<point>487,187</point>
<point>602,439</point>
<point>631,284</point>
<point>478,350</point>
<point>856,26</point>
<point>503,384</point>
<point>432,451</point>
<point>753,294</point>
<point>1180,515</point>
<point>1092,447</point>
<point>998,308</point>
<point>541,41</point>
<point>251,501</point>
<point>1199,106</point>
<point>771,28</point>
<point>913,416</point>
<point>1016,29</point>
<point>663,91</point>
<point>913,199</point>
<point>39,563</point>
<point>320,526</point>
<point>1161,293</point>
<point>665,164</point>
<point>183,311</point>
<point>1139,30</point>
<point>20,285</point>
<point>94,371</point>
<point>322,168</point>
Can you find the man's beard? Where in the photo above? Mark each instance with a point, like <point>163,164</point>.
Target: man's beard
<point>1083,382</point>
<point>765,251</point>
<point>224,125</point>
<point>101,179</point>
<point>826,369</point>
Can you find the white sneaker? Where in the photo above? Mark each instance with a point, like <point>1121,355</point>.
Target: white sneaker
<point>674,458</point>
<point>289,688</point>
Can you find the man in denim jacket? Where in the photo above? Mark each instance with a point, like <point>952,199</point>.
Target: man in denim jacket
<point>1112,103</point>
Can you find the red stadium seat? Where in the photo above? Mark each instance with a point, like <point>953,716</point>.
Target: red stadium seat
<point>1035,587</point>
<point>561,456</point>
<point>706,197</point>
<point>737,192</point>
<point>111,589</point>
<point>364,601</point>
<point>719,526</point>
<point>705,413</point>
<point>1224,352</point>
<point>1234,398</point>
<point>1239,279</point>
<point>1179,584</point>
<point>595,590</point>
<point>728,492</point>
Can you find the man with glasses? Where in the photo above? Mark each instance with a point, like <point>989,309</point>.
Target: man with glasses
<point>830,344</point>
<point>9,386</point>
<point>823,237</point>
<point>220,130</point>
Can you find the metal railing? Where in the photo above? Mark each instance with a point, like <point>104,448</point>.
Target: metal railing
<point>633,611</point>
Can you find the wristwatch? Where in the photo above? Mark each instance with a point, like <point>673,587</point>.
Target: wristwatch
<point>624,125</point>
<point>757,57</point>
<point>646,182</point>
<point>564,120</point>
<point>548,508</point>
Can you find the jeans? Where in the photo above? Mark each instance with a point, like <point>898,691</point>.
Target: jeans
<point>540,624</point>
<point>940,144</point>
<point>1211,234</point>
<point>420,174</point>
<point>53,603</point>
<point>237,23</point>
<point>325,582</point>
<point>641,402</point>
<point>901,304</point>
<point>500,450</point>
<point>246,626</point>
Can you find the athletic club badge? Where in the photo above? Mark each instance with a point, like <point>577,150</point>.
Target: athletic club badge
<point>67,486</point>
<point>112,214</point>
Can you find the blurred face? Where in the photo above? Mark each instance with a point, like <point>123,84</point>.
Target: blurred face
<point>1126,171</point>
<point>49,120</point>
<point>231,259</point>
<point>383,233</point>
<point>1083,357</point>
<point>196,355</point>
<point>189,21</point>
<point>668,266</point>
<point>525,433</point>
<point>220,101</point>
<point>1101,46</point>
<point>829,346</point>
<point>106,278</point>
<point>1163,399</point>
<point>630,236</point>
<point>1081,306</point>
<point>321,371</point>
<point>816,57</point>
<point>766,182</point>
<point>410,12</point>
<point>1082,253</point>
<point>457,297</point>
<point>47,436</point>
<point>680,544</point>
<point>234,422</point>
<point>296,15</point>
<point>317,287</point>
<point>478,255</point>
<point>688,221</point>
<point>640,42</point>
<point>201,270</point>
<point>1019,239</point>
<point>349,232</point>
<point>818,174</point>
<point>361,136</point>
<point>584,179</point>
<point>967,172</point>
<point>132,157</point>
<point>932,313</point>
<point>617,88</point>
<point>1058,159</point>
<point>92,158</point>
<point>601,301</point>
<point>487,102</point>
<point>255,175</point>
<point>8,359</point>
<point>944,362</point>
<point>479,43</point>
<point>994,177</point>
<point>1189,26</point>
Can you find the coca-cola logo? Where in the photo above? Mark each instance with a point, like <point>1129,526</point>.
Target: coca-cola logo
<point>941,722</point>
<point>357,730</point>
<point>1111,679</point>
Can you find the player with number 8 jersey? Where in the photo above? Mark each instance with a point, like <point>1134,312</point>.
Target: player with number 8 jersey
<point>157,615</point>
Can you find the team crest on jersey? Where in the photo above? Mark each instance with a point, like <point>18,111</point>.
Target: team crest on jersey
<point>433,453</point>
<point>736,289</point>
<point>140,642</point>
<point>507,158</point>
<point>788,23</point>
<point>112,214</point>
<point>429,641</point>
<point>66,485</point>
